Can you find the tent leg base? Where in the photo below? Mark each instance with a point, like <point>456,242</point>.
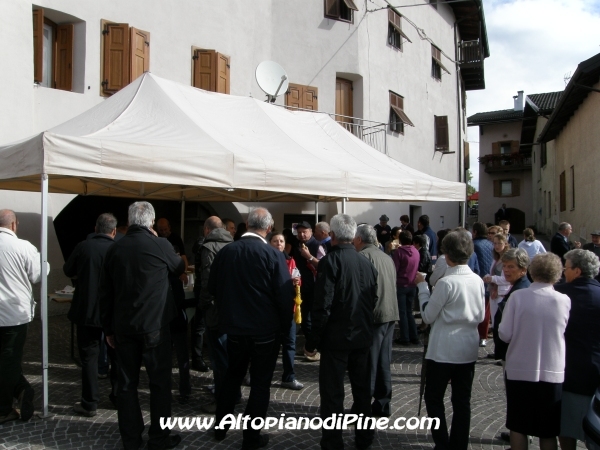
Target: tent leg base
<point>45,416</point>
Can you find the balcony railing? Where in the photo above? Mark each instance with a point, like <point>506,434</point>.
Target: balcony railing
<point>470,53</point>
<point>506,163</point>
<point>370,132</point>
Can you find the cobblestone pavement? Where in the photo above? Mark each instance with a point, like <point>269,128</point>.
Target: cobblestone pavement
<point>67,430</point>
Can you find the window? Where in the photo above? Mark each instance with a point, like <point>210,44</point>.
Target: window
<point>303,97</point>
<point>126,55</point>
<point>507,188</point>
<point>543,155</point>
<point>436,63</point>
<point>340,9</point>
<point>52,52</point>
<point>395,33</point>
<point>563,193</point>
<point>211,70</point>
<point>467,162</point>
<point>441,134</point>
<point>572,187</point>
<point>397,116</point>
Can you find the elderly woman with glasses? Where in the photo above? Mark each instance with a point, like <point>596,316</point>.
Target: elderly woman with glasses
<point>454,309</point>
<point>534,323</point>
<point>582,338</point>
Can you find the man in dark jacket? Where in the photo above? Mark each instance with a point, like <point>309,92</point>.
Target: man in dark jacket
<point>559,245</point>
<point>216,237</point>
<point>425,229</point>
<point>135,318</point>
<point>384,318</point>
<point>85,264</point>
<point>254,295</point>
<point>582,335</point>
<point>345,297</point>
<point>307,256</point>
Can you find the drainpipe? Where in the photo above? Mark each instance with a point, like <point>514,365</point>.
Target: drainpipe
<point>460,151</point>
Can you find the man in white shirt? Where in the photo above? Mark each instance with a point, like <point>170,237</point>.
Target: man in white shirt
<point>20,267</point>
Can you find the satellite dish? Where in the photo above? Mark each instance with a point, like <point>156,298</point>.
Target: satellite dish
<point>272,79</point>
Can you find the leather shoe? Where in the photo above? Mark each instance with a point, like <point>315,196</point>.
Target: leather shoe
<point>505,436</point>
<point>26,403</point>
<point>263,440</point>
<point>13,415</point>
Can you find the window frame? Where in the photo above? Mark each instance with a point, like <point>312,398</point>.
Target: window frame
<point>562,185</point>
<point>395,32</point>
<point>397,112</point>
<point>436,63</point>
<point>441,145</point>
<point>344,10</point>
<point>572,171</point>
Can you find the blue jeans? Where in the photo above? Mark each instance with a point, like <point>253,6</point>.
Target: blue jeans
<point>288,352</point>
<point>408,327</point>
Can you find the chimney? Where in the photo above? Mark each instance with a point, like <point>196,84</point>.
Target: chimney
<point>518,101</point>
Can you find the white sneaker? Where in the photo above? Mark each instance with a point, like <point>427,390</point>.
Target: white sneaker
<point>315,358</point>
<point>482,342</point>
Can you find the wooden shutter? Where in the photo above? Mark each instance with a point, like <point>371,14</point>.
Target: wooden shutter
<point>310,98</point>
<point>350,4</point>
<point>467,156</point>
<point>514,146</point>
<point>396,21</point>
<point>516,187</point>
<point>63,57</point>
<point>293,96</point>
<point>116,57</point>
<point>436,54</point>
<point>140,53</point>
<point>497,189</point>
<point>332,8</point>
<point>205,73</point>
<point>441,133</point>
<point>397,104</point>
<point>343,99</point>
<point>38,45</point>
<point>495,148</point>
<point>563,192</point>
<point>222,73</point>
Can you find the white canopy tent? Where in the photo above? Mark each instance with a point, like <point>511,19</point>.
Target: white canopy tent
<point>157,139</point>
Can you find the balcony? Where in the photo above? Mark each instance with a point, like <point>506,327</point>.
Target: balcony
<point>513,162</point>
<point>470,59</point>
<point>370,132</point>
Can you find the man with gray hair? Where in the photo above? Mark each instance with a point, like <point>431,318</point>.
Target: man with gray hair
<point>559,245</point>
<point>342,329</point>
<point>322,235</point>
<point>253,292</point>
<point>85,264</point>
<point>20,267</point>
<point>135,313</point>
<point>385,316</point>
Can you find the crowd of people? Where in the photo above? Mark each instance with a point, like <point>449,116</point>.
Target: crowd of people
<point>352,284</point>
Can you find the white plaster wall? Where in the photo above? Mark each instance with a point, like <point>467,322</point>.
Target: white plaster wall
<point>295,33</point>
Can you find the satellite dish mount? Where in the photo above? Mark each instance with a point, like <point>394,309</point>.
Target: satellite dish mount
<point>272,79</point>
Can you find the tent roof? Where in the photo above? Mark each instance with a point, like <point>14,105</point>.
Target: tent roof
<point>158,139</point>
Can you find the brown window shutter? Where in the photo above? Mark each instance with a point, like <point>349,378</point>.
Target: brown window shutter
<point>495,148</point>
<point>441,133</point>
<point>140,53</point>
<point>396,21</point>
<point>516,187</point>
<point>116,57</point>
<point>63,61</point>
<point>38,45</point>
<point>467,156</point>
<point>563,192</point>
<point>350,4</point>
<point>332,8</point>
<point>293,96</point>
<point>205,73</point>
<point>343,99</point>
<point>436,54</point>
<point>222,73</point>
<point>310,96</point>
<point>497,191</point>
<point>514,146</point>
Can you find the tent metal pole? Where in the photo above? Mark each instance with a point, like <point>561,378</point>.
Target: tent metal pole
<point>344,205</point>
<point>182,229</point>
<point>44,294</point>
<point>316,212</point>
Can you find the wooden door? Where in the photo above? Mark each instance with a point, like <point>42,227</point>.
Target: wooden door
<point>343,100</point>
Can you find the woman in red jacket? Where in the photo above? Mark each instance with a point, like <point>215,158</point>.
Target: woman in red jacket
<point>288,379</point>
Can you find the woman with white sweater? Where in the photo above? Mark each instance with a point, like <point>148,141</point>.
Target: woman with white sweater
<point>532,246</point>
<point>454,310</point>
<point>534,323</point>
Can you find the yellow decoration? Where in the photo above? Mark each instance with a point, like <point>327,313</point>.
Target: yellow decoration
<point>298,300</point>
